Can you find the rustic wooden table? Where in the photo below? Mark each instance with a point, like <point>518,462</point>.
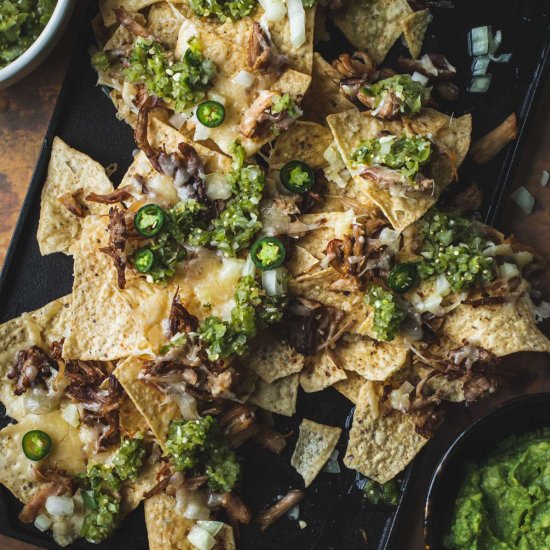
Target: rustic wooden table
<point>25,110</point>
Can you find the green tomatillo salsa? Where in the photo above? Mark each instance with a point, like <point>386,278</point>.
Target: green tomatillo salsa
<point>504,501</point>
<point>21,22</point>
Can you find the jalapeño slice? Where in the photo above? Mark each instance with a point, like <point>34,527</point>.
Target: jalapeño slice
<point>268,253</point>
<point>402,277</point>
<point>210,114</point>
<point>36,444</point>
<point>149,220</point>
<point>143,260</point>
<point>297,176</point>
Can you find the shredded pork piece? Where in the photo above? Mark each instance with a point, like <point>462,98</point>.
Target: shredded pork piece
<point>490,145</point>
<point>118,235</point>
<point>31,368</point>
<point>68,200</point>
<point>180,320</point>
<point>270,439</point>
<point>261,53</point>
<point>432,65</point>
<point>469,200</point>
<point>119,195</point>
<point>357,65</point>
<point>238,424</point>
<point>126,20</point>
<point>141,131</point>
<point>272,514</point>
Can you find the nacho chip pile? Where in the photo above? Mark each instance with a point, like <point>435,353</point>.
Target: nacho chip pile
<point>278,231</point>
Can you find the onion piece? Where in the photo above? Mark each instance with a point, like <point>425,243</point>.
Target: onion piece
<point>244,79</point>
<point>502,58</point>
<point>332,466</point>
<point>297,22</point>
<point>480,65</point>
<point>275,10</point>
<point>70,415</point>
<point>495,41</point>
<point>43,522</point>
<point>480,84</point>
<point>217,187</point>
<point>419,77</point>
<point>545,178</point>
<point>249,269</point>
<point>274,281</point>
<point>212,527</point>
<point>524,199</point>
<point>480,40</point>
<point>542,311</point>
<point>201,539</point>
<point>177,120</point>
<point>59,506</point>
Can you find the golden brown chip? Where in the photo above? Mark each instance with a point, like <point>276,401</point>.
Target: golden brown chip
<point>414,30</point>
<point>373,25</point>
<point>320,372</point>
<point>381,447</point>
<point>70,174</point>
<point>351,386</point>
<point>278,397</point>
<point>313,448</point>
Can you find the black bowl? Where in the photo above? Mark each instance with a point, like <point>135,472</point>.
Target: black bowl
<point>516,416</point>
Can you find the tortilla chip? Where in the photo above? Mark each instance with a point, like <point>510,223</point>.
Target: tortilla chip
<point>313,448</point>
<point>164,21</point>
<point>500,328</point>
<point>15,467</point>
<point>381,448</point>
<point>157,409</point>
<point>414,30</point>
<point>373,25</point>
<point>133,492</point>
<point>75,173</point>
<point>371,359</point>
<point>278,397</point>
<point>351,386</point>
<point>321,371</point>
<point>451,138</point>
<point>230,58</point>
<point>305,141</point>
<point>300,261</point>
<point>39,328</point>
<point>107,8</point>
<point>323,97</point>
<point>102,325</point>
<point>272,358</point>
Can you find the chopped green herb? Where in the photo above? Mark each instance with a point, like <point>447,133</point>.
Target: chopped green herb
<point>286,103</point>
<point>100,61</point>
<point>453,245</point>
<point>223,9</point>
<point>253,311</point>
<point>200,445</point>
<point>403,154</point>
<point>101,522</point>
<point>389,312</point>
<point>411,95</point>
<point>381,493</point>
<point>182,83</point>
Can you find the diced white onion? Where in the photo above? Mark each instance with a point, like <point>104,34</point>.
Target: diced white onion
<point>332,466</point>
<point>201,539</point>
<point>498,250</point>
<point>419,77</point>
<point>372,400</point>
<point>294,513</point>
<point>59,506</point>
<point>502,58</point>
<point>275,10</point>
<point>212,527</point>
<point>177,120</point>
<point>244,79</point>
<point>480,84</point>
<point>479,41</point>
<point>508,271</point>
<point>249,269</point>
<point>542,311</point>
<point>524,199</point>
<point>214,96</point>
<point>217,186</point>
<point>70,415</point>
<point>196,510</point>
<point>43,522</point>
<point>274,281</point>
<point>202,132</point>
<point>480,65</point>
<point>428,66</point>
<point>297,22</point>
<point>494,41</point>
<point>545,178</point>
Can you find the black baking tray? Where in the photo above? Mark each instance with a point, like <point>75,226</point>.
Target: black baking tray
<point>336,514</point>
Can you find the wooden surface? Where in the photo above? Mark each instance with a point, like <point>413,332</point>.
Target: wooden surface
<point>25,110</point>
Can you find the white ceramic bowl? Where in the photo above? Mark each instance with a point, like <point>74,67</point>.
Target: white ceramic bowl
<point>41,47</point>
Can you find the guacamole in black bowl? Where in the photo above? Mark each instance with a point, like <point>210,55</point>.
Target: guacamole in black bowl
<point>491,491</point>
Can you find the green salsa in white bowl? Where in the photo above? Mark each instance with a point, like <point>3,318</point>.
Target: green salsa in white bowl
<point>29,29</point>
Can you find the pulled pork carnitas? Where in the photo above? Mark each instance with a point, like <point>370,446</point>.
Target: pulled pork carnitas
<point>269,516</point>
<point>31,368</point>
<point>261,54</point>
